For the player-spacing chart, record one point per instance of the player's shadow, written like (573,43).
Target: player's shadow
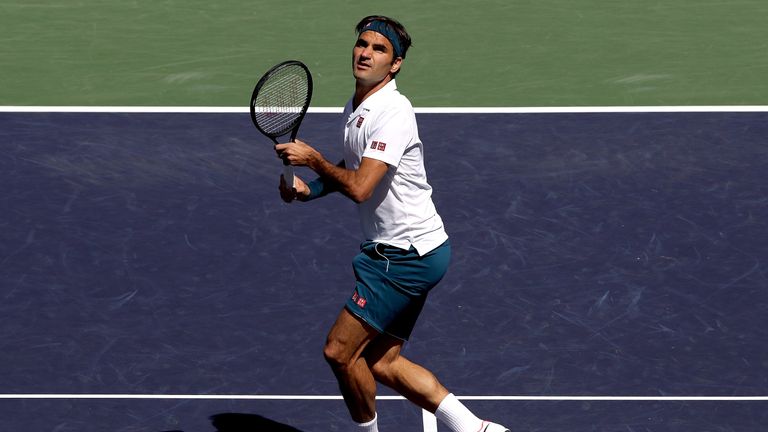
(235,422)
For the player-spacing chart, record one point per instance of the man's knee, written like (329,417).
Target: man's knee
(336,356)
(346,341)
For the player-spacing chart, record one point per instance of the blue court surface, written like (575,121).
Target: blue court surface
(153,281)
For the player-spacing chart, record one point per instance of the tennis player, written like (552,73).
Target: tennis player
(406,249)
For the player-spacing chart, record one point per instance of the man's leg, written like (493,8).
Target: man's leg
(412,381)
(420,386)
(343,350)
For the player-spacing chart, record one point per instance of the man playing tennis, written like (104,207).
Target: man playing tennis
(406,251)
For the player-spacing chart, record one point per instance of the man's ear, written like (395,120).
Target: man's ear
(396,65)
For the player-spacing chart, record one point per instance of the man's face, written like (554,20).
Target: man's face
(372,58)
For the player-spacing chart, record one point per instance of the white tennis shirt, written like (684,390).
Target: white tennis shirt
(400,212)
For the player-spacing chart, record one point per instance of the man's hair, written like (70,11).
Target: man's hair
(403,37)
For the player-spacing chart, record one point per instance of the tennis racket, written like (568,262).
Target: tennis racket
(279,102)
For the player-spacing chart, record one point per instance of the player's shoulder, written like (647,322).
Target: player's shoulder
(390,97)
(397,102)
(402,102)
(396,110)
(397,97)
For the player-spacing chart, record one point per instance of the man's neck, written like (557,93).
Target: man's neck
(363,91)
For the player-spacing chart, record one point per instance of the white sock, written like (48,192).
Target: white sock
(370,426)
(456,416)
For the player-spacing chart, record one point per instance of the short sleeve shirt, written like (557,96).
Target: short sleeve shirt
(400,212)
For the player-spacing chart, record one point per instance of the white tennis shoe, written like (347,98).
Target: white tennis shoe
(492,427)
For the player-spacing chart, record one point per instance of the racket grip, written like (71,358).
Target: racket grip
(288,175)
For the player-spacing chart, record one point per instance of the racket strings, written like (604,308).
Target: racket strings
(281,101)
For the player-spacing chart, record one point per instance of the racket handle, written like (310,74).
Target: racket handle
(288,175)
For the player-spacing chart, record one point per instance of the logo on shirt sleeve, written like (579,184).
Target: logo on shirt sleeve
(378,145)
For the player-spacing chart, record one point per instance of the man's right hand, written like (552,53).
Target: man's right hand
(299,191)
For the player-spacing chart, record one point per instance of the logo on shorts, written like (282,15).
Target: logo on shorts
(360,121)
(359,300)
(378,145)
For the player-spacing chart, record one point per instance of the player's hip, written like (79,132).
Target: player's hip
(405,270)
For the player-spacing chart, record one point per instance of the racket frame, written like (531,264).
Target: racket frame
(288,172)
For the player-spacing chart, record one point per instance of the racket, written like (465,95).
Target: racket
(279,102)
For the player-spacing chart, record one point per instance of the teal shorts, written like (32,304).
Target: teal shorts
(392,285)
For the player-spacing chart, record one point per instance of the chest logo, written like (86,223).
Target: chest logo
(359,121)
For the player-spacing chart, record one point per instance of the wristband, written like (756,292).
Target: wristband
(317,189)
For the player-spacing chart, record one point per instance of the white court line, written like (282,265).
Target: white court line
(338,397)
(421,110)
(586,109)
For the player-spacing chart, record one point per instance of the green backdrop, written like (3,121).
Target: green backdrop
(482,53)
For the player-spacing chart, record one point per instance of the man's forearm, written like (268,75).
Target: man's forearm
(358,185)
(338,177)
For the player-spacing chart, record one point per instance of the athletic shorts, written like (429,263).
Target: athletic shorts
(392,285)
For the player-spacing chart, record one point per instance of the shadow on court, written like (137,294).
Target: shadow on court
(235,422)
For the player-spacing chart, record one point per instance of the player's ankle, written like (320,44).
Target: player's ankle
(369,426)
(456,416)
